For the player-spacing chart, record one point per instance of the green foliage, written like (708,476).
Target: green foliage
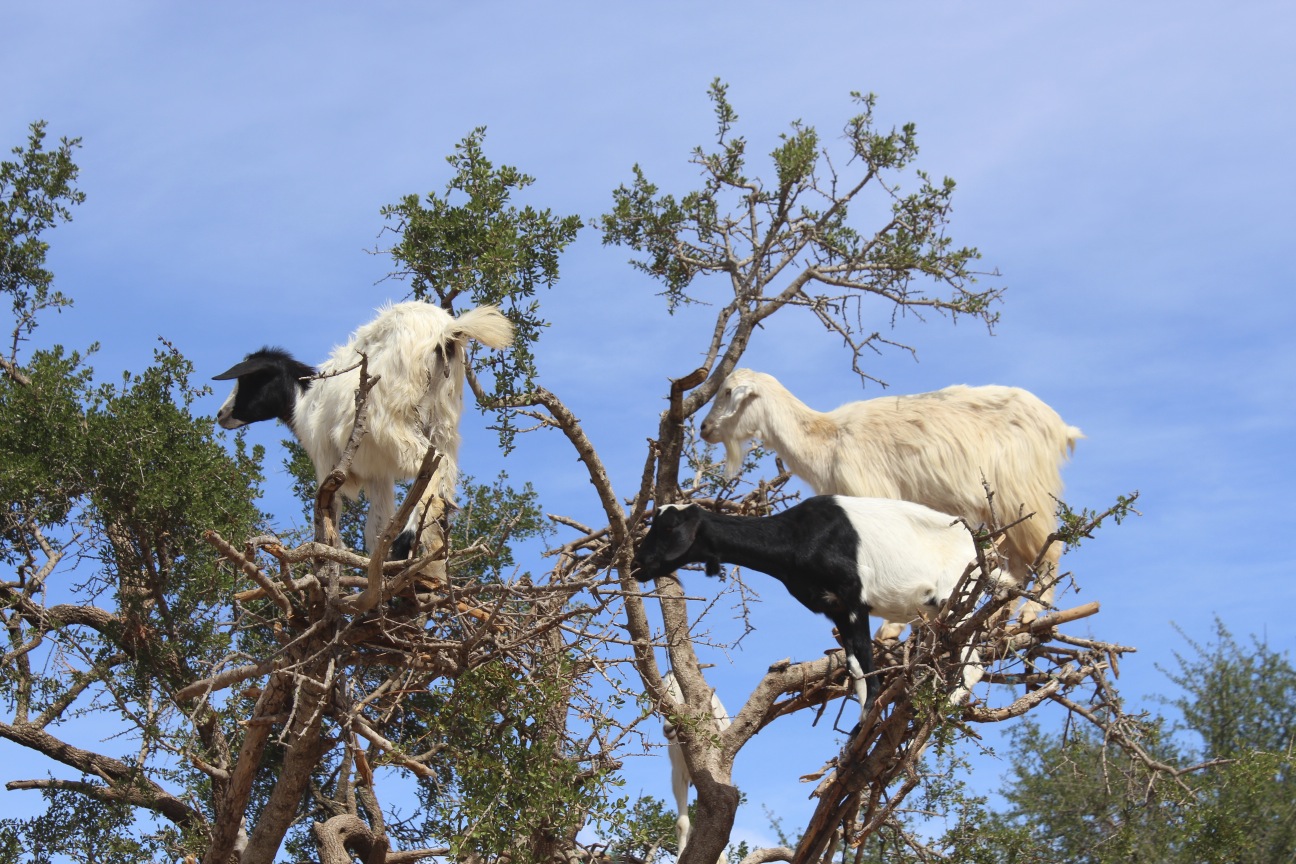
(1236,699)
(76,829)
(1099,804)
(1241,704)
(506,775)
(1085,804)
(494,517)
(125,479)
(472,240)
(36,191)
(799,228)
(43,436)
(133,456)
(162,481)
(645,830)
(1079,526)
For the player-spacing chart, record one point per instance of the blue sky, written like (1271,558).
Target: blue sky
(1126,168)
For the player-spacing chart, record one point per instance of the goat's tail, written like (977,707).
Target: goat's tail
(1073,434)
(486,324)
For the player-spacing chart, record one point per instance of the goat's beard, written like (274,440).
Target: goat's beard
(734,453)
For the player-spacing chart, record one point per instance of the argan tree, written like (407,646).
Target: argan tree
(279,695)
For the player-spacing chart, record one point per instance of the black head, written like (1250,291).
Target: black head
(670,543)
(269,382)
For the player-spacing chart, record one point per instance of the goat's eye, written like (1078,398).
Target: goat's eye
(728,391)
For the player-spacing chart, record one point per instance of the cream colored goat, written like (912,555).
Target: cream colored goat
(930,448)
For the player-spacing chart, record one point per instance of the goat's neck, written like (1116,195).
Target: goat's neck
(289,414)
(801,436)
(766,544)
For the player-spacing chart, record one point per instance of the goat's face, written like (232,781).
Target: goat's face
(667,544)
(225,417)
(928,602)
(266,387)
(730,422)
(724,421)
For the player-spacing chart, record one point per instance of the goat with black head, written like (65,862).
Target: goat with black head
(416,351)
(845,558)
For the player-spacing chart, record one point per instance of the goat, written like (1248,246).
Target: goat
(680,778)
(842,557)
(417,350)
(937,449)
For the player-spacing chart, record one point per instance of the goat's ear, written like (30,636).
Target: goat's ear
(240,369)
(713,566)
(682,525)
(740,393)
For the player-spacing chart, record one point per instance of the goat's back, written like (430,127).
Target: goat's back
(417,350)
(908,554)
(936,448)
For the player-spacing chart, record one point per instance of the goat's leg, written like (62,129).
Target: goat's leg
(858,643)
(1045,582)
(679,786)
(972,673)
(889,631)
(382,506)
(425,529)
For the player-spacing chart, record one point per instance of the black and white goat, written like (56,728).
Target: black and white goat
(418,351)
(845,558)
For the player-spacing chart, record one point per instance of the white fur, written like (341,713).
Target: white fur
(910,557)
(910,560)
(680,778)
(931,448)
(417,402)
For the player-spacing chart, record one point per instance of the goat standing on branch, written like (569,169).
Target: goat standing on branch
(938,449)
(416,354)
(845,558)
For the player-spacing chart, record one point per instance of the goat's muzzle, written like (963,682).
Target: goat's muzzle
(226,420)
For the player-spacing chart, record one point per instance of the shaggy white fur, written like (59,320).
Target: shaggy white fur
(417,350)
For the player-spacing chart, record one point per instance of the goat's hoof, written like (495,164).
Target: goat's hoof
(402,546)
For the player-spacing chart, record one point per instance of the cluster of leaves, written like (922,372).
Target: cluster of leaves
(508,776)
(494,517)
(126,468)
(36,193)
(800,229)
(473,241)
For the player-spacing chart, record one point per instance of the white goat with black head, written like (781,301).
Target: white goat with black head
(845,558)
(417,350)
(680,777)
(933,448)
